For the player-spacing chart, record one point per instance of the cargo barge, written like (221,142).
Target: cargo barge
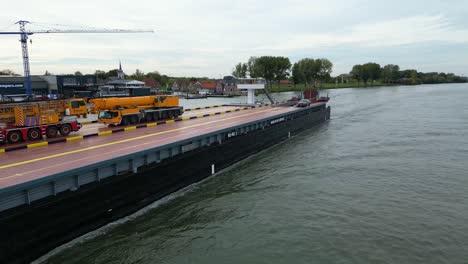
(52,195)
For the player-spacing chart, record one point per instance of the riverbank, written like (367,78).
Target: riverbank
(299,87)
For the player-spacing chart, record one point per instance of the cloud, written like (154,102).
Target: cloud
(208,37)
(402,31)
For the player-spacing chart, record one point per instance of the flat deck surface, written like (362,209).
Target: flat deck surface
(28,164)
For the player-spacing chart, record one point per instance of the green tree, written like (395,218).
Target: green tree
(366,72)
(240,70)
(100,74)
(154,75)
(310,70)
(265,67)
(390,73)
(372,70)
(253,68)
(166,81)
(325,68)
(297,76)
(138,75)
(78,73)
(282,67)
(8,72)
(111,73)
(358,73)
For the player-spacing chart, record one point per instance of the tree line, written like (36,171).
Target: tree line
(391,74)
(8,72)
(279,68)
(309,71)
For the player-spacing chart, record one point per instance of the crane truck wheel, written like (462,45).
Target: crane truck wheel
(124,121)
(170,114)
(14,136)
(149,117)
(134,119)
(155,116)
(65,129)
(34,134)
(176,114)
(51,131)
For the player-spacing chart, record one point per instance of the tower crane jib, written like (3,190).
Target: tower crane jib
(24,42)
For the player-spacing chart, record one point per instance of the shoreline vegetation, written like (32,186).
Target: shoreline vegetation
(282,76)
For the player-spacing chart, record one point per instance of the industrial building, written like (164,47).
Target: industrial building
(54,86)
(13,87)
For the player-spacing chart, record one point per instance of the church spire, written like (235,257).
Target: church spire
(120,73)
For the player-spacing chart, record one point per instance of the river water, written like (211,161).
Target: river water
(384,181)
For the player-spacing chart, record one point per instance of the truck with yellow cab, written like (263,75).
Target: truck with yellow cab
(24,121)
(134,110)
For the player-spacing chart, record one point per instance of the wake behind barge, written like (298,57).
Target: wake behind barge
(53,194)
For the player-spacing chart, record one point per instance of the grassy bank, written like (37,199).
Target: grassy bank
(300,87)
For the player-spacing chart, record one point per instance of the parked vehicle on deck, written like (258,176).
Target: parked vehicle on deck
(303,103)
(134,110)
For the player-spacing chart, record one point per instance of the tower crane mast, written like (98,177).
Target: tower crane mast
(24,42)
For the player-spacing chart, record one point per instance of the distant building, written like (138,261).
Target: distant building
(12,87)
(72,85)
(150,82)
(123,88)
(207,87)
(175,87)
(344,78)
(126,84)
(219,87)
(230,85)
(118,86)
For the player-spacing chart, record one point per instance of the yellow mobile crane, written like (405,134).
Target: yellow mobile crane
(134,110)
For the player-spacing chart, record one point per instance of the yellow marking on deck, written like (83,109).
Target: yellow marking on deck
(223,112)
(212,114)
(103,133)
(2,150)
(170,121)
(40,144)
(74,138)
(200,116)
(185,118)
(86,122)
(130,128)
(151,124)
(124,141)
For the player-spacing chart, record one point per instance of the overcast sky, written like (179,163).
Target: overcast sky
(208,37)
